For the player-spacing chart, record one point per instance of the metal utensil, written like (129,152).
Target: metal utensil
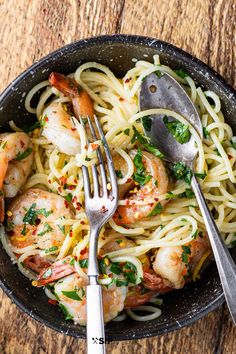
(165,92)
(100,205)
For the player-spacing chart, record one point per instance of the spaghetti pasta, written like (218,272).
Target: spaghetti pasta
(174,221)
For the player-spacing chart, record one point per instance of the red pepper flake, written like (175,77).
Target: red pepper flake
(70,233)
(230,157)
(22,143)
(44,11)
(63,180)
(127,202)
(82,222)
(103,209)
(49,181)
(86,147)
(128,180)
(121,99)
(156,199)
(127,80)
(74,199)
(75,181)
(71,188)
(34,232)
(52,302)
(151,205)
(11,233)
(73,129)
(59,189)
(84,251)
(94,146)
(66,204)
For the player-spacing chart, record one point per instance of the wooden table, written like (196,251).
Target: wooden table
(30,29)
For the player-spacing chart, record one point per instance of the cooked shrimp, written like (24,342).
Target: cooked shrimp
(59,130)
(16,158)
(175,264)
(58,127)
(157,185)
(33,219)
(82,103)
(113,298)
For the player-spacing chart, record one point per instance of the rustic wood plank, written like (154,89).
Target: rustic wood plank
(30,29)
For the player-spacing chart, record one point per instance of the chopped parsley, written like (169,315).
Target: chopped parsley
(30,127)
(23,155)
(121,283)
(156,210)
(66,312)
(68,197)
(130,272)
(62,228)
(205,132)
(159,74)
(72,295)
(139,176)
(32,214)
(186,252)
(47,228)
(115,268)
(187,194)
(194,236)
(201,175)
(126,131)
(51,249)
(83,263)
(181,171)
(170,195)
(24,230)
(178,130)
(119,174)
(146,144)
(147,123)
(181,73)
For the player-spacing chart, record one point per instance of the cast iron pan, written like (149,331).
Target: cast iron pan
(181,307)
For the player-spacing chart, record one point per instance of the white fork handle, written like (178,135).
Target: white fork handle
(95,322)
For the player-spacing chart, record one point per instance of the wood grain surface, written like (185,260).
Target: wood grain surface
(30,29)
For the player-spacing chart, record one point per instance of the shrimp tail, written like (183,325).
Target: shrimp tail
(82,103)
(65,85)
(154,282)
(58,270)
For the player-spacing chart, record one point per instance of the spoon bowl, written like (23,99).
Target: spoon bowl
(165,92)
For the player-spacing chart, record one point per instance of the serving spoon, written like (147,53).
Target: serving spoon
(163,91)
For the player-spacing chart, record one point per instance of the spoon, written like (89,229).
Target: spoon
(162,91)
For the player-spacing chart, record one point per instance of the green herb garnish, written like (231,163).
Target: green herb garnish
(178,130)
(147,123)
(72,295)
(51,249)
(139,175)
(126,131)
(181,73)
(185,253)
(146,144)
(181,171)
(119,174)
(156,210)
(83,263)
(47,228)
(23,155)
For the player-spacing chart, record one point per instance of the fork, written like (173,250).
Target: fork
(100,205)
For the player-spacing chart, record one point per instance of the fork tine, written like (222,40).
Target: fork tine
(109,158)
(101,162)
(87,189)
